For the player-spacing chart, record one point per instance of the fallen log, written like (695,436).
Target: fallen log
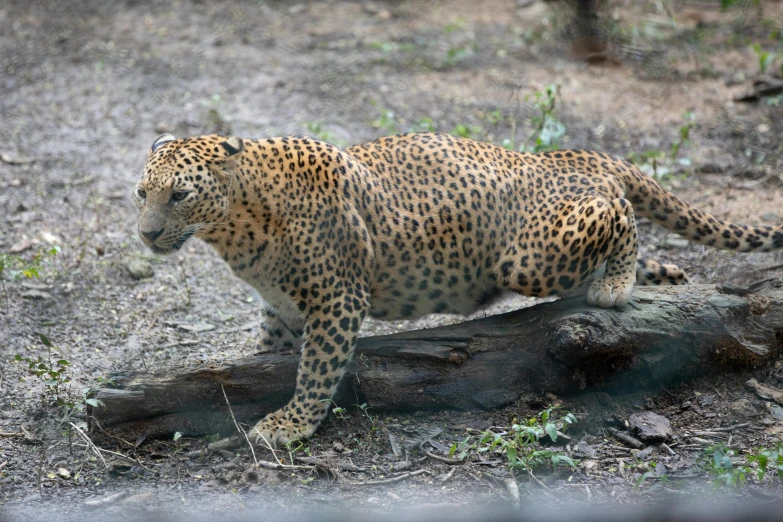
(665,335)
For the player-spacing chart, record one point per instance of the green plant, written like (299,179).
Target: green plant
(766,457)
(765,58)
(461,47)
(467,131)
(660,164)
(725,4)
(53,372)
(337,410)
(317,131)
(425,125)
(724,471)
(684,135)
(521,443)
(387,123)
(547,129)
(14,267)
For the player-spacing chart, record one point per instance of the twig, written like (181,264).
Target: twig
(668,449)
(445,460)
(240,430)
(448,475)
(3,464)
(272,465)
(391,480)
(535,479)
(627,439)
(92,446)
(11,434)
(729,428)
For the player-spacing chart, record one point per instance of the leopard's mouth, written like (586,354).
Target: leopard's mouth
(173,247)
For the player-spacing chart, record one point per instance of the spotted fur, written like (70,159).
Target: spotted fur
(405,226)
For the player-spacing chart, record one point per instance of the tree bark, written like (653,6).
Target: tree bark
(664,336)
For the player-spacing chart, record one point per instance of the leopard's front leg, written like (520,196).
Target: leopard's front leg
(330,333)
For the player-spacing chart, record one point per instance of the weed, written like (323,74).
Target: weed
(548,130)
(462,43)
(425,125)
(317,131)
(387,123)
(765,57)
(53,372)
(467,131)
(765,457)
(723,469)
(726,4)
(337,410)
(520,444)
(660,164)
(14,267)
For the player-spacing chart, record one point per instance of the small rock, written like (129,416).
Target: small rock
(713,160)
(525,3)
(196,327)
(650,427)
(674,241)
(685,405)
(338,447)
(762,128)
(64,473)
(36,294)
(21,246)
(770,217)
(140,269)
(742,408)
(228,455)
(775,411)
(50,238)
(164,127)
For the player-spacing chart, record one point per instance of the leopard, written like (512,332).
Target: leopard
(404,226)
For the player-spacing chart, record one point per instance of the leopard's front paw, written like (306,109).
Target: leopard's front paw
(277,429)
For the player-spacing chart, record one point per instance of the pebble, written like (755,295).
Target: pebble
(228,455)
(674,242)
(742,408)
(140,269)
(650,427)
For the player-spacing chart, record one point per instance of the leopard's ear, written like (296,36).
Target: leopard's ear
(233,147)
(160,141)
(225,166)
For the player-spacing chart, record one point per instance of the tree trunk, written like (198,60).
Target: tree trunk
(665,335)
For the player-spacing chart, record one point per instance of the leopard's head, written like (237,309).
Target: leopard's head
(185,188)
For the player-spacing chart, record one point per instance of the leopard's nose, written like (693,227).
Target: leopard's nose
(151,235)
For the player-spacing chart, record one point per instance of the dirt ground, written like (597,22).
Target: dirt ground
(87,86)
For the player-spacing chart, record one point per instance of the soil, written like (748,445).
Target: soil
(87,86)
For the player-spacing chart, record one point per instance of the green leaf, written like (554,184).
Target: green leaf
(177,436)
(551,430)
(44,339)
(511,453)
(95,403)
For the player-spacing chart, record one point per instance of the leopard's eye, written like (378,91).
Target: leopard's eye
(179,195)
(141,193)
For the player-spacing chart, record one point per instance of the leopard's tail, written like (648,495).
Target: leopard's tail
(652,201)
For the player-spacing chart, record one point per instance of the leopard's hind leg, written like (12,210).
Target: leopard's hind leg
(616,286)
(586,233)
